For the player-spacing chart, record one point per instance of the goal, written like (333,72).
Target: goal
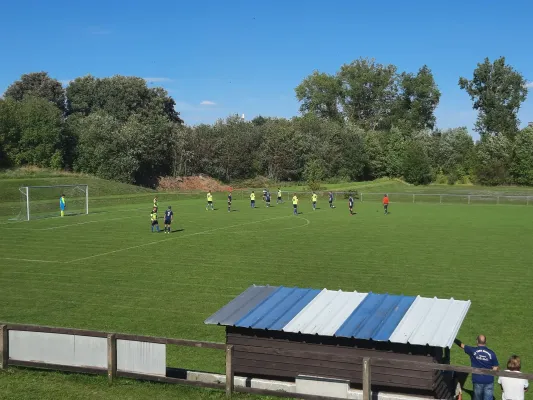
(43,201)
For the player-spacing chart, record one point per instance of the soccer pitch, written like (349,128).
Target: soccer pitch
(107,271)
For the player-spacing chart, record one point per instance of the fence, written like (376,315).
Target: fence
(144,357)
(407,197)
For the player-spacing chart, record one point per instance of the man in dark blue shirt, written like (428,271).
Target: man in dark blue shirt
(481,357)
(169,217)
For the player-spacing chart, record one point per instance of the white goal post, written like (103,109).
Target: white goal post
(43,201)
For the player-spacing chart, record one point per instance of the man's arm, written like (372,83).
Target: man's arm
(459,343)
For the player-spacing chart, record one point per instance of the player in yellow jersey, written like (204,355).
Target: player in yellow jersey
(209,201)
(295,204)
(279,200)
(314,199)
(252,199)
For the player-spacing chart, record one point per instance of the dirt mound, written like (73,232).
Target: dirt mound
(200,182)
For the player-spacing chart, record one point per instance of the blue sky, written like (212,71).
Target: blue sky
(223,57)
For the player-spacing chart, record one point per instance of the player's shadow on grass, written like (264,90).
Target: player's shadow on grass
(177,230)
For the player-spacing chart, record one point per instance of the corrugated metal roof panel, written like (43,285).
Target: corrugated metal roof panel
(394,317)
(326,313)
(377,315)
(450,324)
(433,322)
(241,305)
(279,308)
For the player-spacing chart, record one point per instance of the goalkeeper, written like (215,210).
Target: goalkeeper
(62,204)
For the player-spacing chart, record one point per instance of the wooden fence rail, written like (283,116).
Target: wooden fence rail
(229,386)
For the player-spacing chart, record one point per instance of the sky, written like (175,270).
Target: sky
(222,57)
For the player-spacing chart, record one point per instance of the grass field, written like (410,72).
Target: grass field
(107,271)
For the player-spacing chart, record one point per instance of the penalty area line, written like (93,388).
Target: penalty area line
(172,238)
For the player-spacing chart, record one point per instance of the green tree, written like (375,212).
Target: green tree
(369,93)
(319,94)
(418,98)
(521,168)
(416,166)
(30,132)
(497,91)
(493,157)
(38,84)
(120,97)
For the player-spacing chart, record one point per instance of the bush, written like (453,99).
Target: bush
(314,186)
(416,165)
(441,179)
(56,162)
(452,177)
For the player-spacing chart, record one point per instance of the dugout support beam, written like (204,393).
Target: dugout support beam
(4,346)
(111,357)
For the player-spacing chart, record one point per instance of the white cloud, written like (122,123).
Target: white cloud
(529,85)
(157,79)
(208,103)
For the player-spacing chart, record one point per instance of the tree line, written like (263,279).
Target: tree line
(365,122)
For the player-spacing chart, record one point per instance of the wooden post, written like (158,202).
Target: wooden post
(4,346)
(229,371)
(111,357)
(367,392)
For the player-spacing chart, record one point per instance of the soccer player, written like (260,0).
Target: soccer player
(169,216)
(386,204)
(350,204)
(267,199)
(156,204)
(314,198)
(62,205)
(331,200)
(229,202)
(252,199)
(279,201)
(153,218)
(295,204)
(264,194)
(209,201)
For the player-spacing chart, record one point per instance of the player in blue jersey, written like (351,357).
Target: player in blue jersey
(267,199)
(169,217)
(331,200)
(350,204)
(229,202)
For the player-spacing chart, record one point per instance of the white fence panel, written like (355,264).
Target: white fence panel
(55,348)
(141,357)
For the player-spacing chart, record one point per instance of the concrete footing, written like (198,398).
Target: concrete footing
(313,385)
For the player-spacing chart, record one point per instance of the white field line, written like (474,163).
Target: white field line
(173,238)
(29,260)
(78,223)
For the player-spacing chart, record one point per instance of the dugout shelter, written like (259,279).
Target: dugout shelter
(282,333)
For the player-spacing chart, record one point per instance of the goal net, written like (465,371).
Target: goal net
(43,201)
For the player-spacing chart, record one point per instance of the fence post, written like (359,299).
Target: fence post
(413,198)
(468,199)
(498,200)
(111,357)
(527,201)
(440,199)
(4,346)
(361,197)
(229,371)
(367,392)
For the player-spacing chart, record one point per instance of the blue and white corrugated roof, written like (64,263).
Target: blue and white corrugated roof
(379,317)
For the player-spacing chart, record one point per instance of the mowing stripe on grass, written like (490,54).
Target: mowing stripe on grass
(27,260)
(173,238)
